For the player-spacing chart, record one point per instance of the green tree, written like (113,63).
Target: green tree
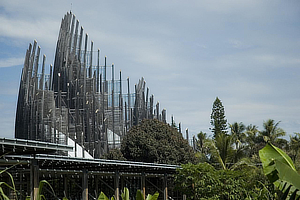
(202,147)
(272,132)
(237,132)
(222,150)
(201,138)
(153,141)
(239,139)
(294,147)
(254,142)
(218,119)
(114,154)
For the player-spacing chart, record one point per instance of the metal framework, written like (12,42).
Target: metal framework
(77,102)
(76,178)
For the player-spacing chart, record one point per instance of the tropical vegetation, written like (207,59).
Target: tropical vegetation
(235,161)
(233,156)
(5,185)
(153,141)
(125,195)
(203,181)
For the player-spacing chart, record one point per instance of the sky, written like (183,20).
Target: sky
(247,53)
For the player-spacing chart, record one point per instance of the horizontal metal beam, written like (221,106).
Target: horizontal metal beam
(34,145)
(99,162)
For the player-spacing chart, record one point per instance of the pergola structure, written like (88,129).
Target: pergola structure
(77,178)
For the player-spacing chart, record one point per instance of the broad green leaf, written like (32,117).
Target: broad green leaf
(149,197)
(154,197)
(288,175)
(139,195)
(280,170)
(126,193)
(102,196)
(270,152)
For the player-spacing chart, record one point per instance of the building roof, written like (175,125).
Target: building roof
(20,147)
(22,152)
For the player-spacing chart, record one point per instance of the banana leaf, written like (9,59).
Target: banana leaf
(102,196)
(280,170)
(125,194)
(139,195)
(270,153)
(153,197)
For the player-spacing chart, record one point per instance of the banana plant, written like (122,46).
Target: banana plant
(3,196)
(280,170)
(140,196)
(125,195)
(41,185)
(102,196)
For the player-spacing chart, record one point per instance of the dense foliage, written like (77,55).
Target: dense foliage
(114,154)
(156,142)
(125,195)
(203,181)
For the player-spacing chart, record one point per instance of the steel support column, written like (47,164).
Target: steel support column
(66,185)
(34,176)
(117,180)
(143,184)
(165,187)
(85,191)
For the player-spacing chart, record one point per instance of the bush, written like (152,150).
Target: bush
(203,181)
(153,141)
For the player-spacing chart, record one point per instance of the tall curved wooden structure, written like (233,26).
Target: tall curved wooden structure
(77,103)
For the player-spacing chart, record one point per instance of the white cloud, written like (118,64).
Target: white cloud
(189,52)
(9,62)
(21,29)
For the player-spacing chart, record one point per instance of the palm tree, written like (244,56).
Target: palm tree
(203,144)
(222,150)
(237,132)
(200,141)
(294,146)
(271,131)
(253,139)
(239,138)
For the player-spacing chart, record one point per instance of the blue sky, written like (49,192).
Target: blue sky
(245,52)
